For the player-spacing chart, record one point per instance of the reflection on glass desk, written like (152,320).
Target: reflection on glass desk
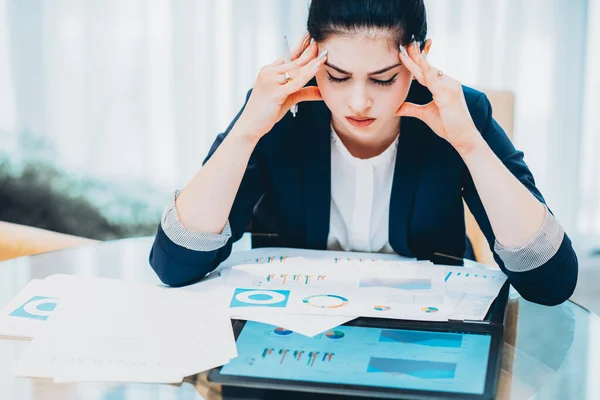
(549,352)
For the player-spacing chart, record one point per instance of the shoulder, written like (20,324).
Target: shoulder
(478,105)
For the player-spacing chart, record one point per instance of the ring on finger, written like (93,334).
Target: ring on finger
(286,78)
(440,73)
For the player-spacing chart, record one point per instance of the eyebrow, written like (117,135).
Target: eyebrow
(381,71)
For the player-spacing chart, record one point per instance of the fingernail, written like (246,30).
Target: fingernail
(403,51)
(416,42)
(315,67)
(322,55)
(312,41)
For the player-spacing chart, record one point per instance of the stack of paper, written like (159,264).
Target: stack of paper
(387,289)
(108,330)
(269,285)
(94,329)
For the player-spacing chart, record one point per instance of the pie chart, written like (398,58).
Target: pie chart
(335,334)
(325,301)
(382,308)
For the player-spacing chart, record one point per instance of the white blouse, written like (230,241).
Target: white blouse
(360,199)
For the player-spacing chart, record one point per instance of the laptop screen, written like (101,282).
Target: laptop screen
(392,358)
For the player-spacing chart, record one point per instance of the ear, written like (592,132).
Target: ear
(427,46)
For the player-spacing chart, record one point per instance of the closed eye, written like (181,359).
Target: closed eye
(389,82)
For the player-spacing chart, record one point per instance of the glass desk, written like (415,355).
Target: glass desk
(549,352)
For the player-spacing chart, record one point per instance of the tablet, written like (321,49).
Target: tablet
(369,357)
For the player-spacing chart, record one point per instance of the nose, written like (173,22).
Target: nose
(360,100)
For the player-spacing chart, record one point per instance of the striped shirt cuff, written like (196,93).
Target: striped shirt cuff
(192,240)
(538,251)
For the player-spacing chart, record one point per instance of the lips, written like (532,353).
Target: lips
(360,122)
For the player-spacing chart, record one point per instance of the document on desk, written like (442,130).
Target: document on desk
(27,313)
(296,273)
(118,332)
(278,255)
(472,291)
(400,290)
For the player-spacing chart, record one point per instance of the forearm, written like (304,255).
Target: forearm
(514,213)
(205,203)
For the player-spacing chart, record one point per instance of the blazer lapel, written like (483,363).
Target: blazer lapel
(317,173)
(413,145)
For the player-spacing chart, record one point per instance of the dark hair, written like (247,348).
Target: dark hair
(405,19)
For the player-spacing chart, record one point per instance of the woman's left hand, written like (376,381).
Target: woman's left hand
(447,115)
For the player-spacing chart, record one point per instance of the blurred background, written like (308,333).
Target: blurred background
(107,107)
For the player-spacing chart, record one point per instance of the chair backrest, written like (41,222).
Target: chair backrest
(503,111)
(503,106)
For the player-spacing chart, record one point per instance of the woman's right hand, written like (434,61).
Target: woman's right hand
(272,97)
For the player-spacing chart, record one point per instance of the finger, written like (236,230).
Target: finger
(420,111)
(277,62)
(414,51)
(446,90)
(414,69)
(310,93)
(306,73)
(292,74)
(300,47)
(309,54)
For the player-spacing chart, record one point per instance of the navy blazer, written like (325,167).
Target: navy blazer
(287,185)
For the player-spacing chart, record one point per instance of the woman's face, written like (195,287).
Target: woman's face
(362,78)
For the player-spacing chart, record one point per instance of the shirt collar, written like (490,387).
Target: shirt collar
(388,155)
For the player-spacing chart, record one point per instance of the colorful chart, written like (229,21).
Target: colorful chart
(259,298)
(267,352)
(312,356)
(429,310)
(287,357)
(291,279)
(422,338)
(388,358)
(38,307)
(416,368)
(382,308)
(325,301)
(403,284)
(282,331)
(270,260)
(338,260)
(472,275)
(335,334)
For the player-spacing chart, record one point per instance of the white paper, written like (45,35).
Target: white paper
(472,291)
(282,254)
(370,302)
(29,311)
(300,273)
(385,289)
(113,331)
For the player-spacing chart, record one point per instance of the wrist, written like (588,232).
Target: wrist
(469,143)
(245,133)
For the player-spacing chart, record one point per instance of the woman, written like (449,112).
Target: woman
(383,151)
